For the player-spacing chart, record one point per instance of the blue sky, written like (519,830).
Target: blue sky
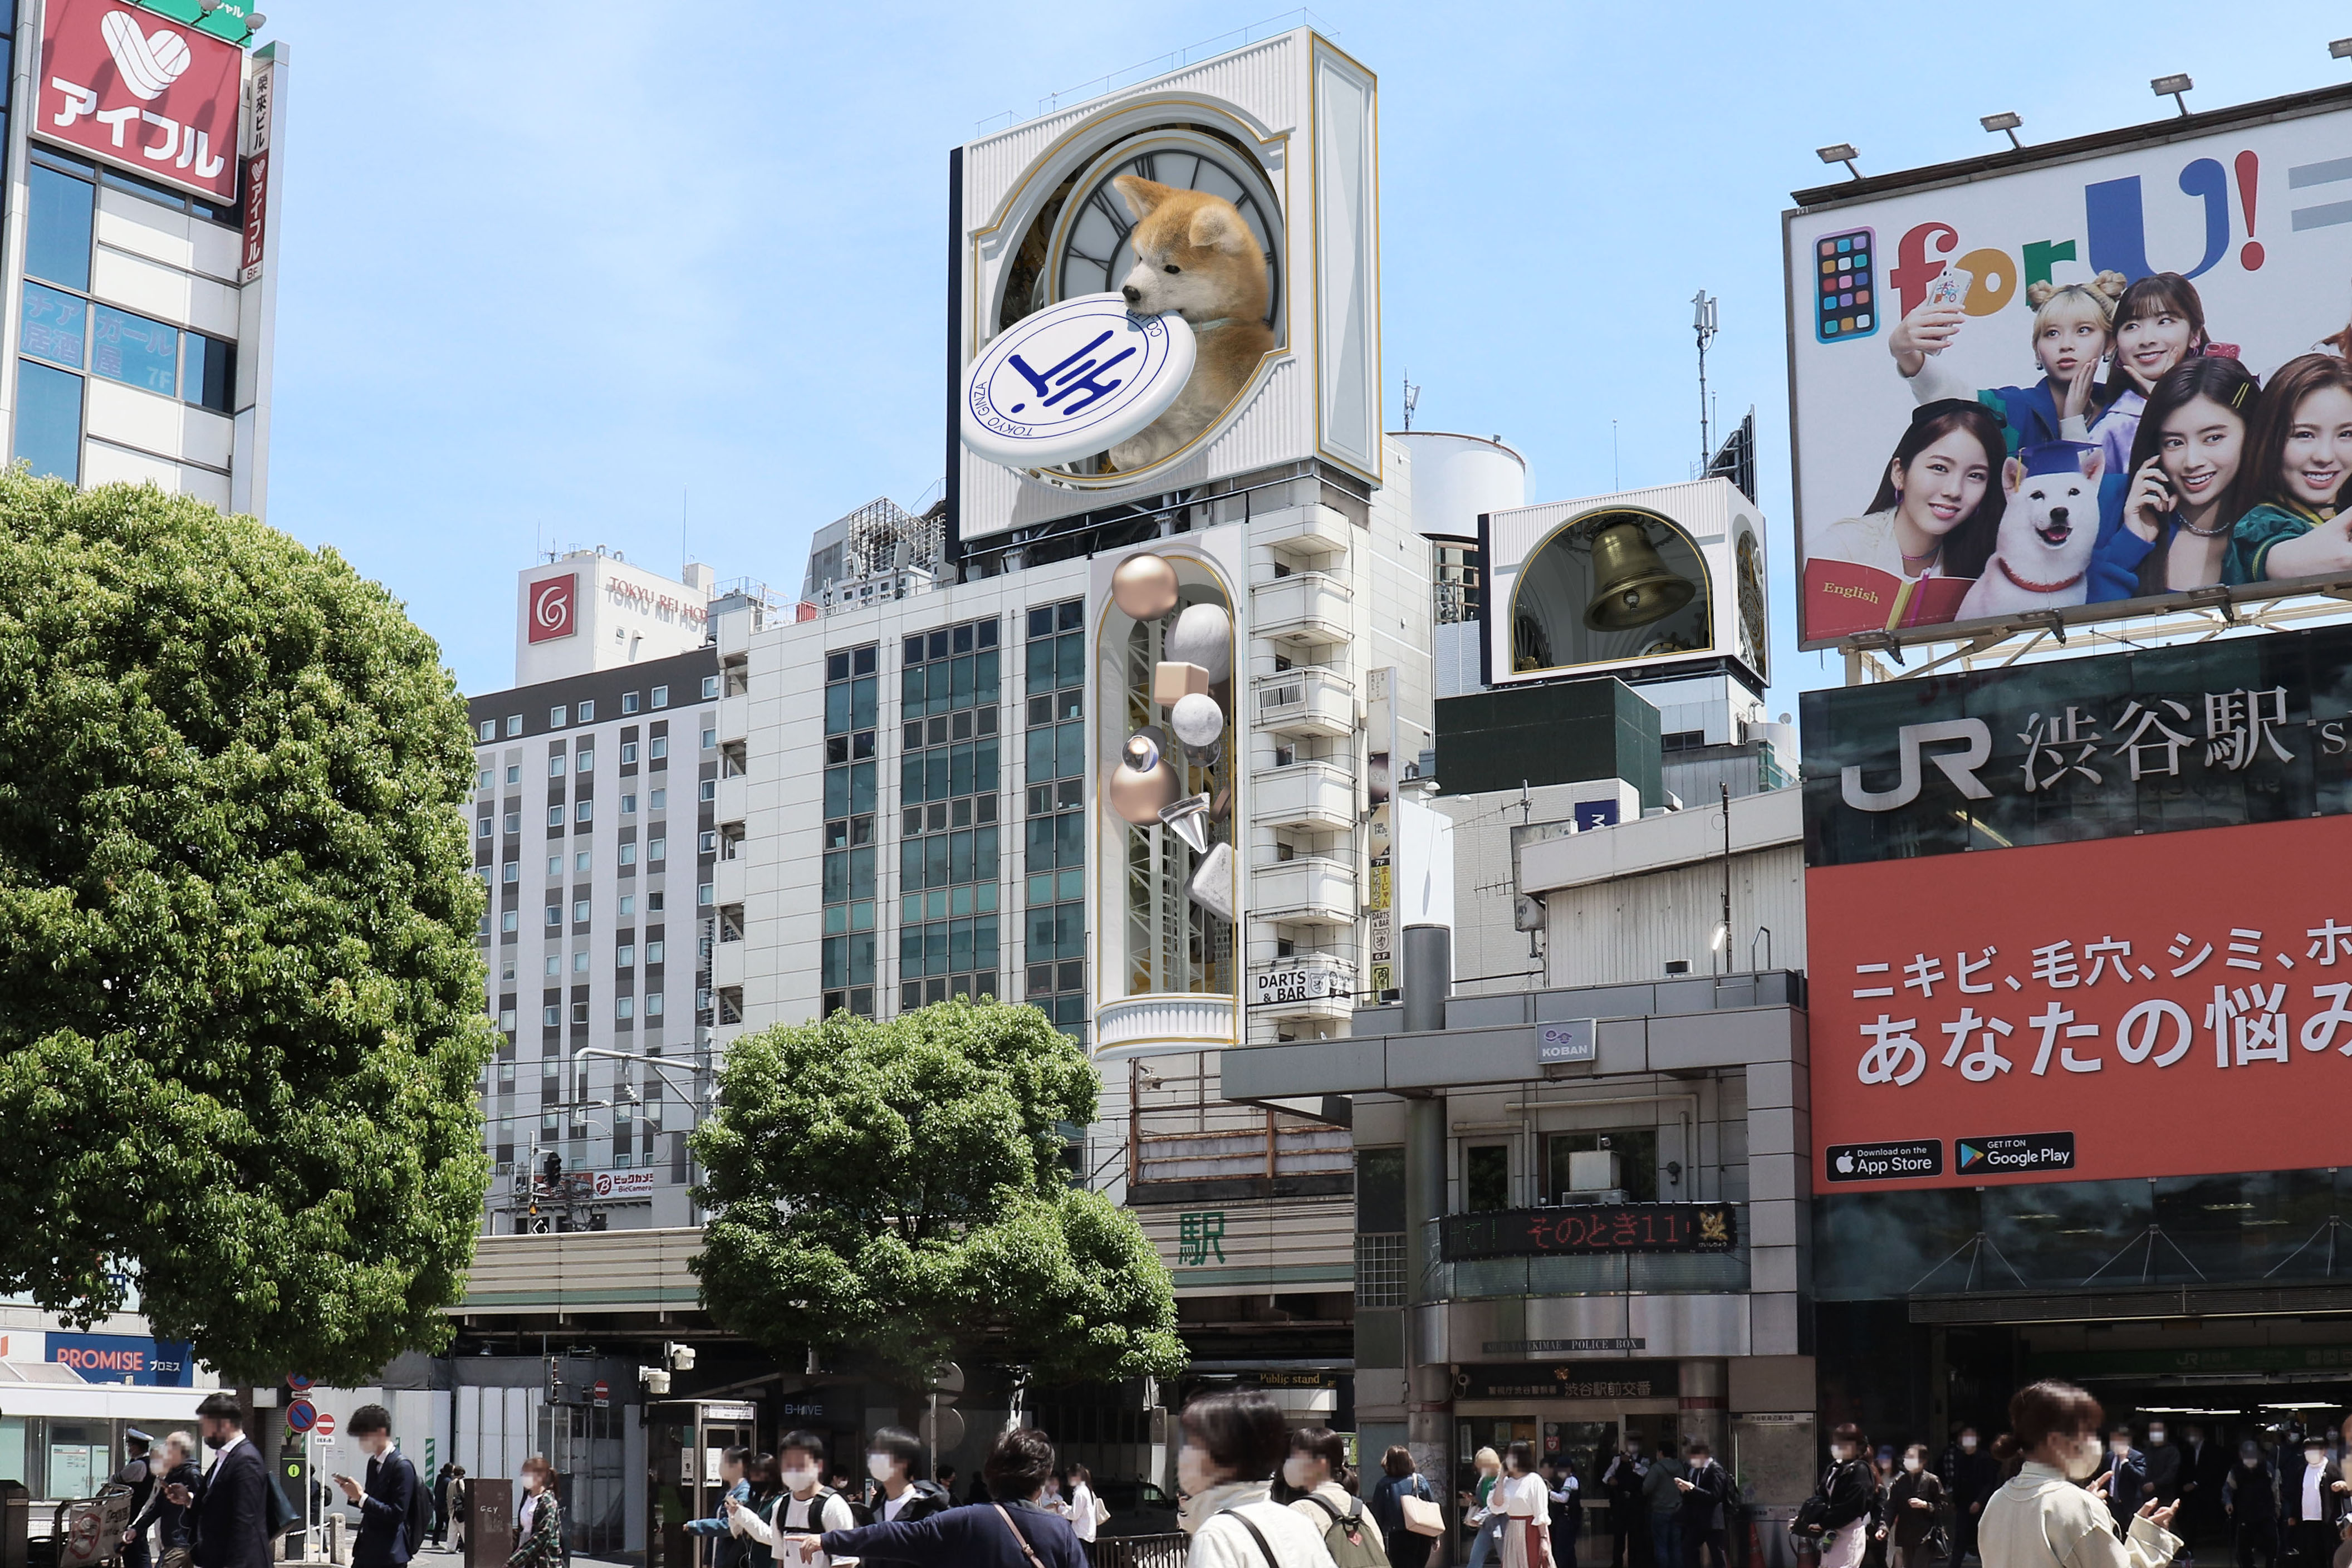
(585,274)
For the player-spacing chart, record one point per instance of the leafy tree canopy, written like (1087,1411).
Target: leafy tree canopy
(240,1004)
(897,1188)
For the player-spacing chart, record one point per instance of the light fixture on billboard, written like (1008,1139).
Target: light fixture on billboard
(2008,122)
(2341,49)
(1842,152)
(2173,87)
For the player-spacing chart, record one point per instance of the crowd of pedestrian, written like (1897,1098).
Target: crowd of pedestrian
(2063,1486)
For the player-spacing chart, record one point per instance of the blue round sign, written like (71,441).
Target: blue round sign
(1075,379)
(302,1415)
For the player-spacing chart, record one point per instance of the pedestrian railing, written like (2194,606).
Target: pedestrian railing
(1140,1550)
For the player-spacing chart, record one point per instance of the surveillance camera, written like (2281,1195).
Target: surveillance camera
(656,1380)
(680,1357)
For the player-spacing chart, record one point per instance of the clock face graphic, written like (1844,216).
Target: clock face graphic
(1750,566)
(1079,245)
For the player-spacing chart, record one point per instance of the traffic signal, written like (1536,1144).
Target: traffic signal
(553,1165)
(554,1382)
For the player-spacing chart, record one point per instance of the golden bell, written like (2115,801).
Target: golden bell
(1634,586)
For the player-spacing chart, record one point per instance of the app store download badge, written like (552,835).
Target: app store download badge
(2017,1152)
(1913,1157)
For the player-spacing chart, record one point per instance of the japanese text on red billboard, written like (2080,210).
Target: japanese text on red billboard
(131,87)
(2089,384)
(2054,910)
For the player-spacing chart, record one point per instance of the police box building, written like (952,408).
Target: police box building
(144,144)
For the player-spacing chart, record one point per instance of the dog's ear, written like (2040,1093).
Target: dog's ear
(1216,225)
(1141,194)
(2012,478)
(2095,462)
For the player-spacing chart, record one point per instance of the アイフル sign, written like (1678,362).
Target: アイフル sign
(135,89)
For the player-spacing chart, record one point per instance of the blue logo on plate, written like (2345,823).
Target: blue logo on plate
(1075,379)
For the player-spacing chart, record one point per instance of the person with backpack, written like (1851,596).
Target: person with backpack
(805,1509)
(395,1508)
(892,1458)
(1315,1473)
(1233,1444)
(1012,1531)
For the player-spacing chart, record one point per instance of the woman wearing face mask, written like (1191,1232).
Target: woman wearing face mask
(1233,1443)
(1313,1480)
(2041,1518)
(538,1525)
(1846,1501)
(1479,1512)
(1909,1518)
(1525,1503)
(2249,1502)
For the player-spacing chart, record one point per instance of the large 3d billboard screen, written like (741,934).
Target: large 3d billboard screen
(2094,384)
(2083,920)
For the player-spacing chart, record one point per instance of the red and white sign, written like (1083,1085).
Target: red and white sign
(2158,1006)
(602,1393)
(257,171)
(624,1184)
(554,607)
(324,1428)
(133,88)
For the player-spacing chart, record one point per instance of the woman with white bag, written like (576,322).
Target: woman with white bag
(1405,1507)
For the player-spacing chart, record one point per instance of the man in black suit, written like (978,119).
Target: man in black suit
(226,1509)
(389,1498)
(1705,1487)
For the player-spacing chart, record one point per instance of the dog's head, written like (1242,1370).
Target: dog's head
(1194,255)
(2054,502)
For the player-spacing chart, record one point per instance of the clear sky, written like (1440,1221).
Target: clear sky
(583,274)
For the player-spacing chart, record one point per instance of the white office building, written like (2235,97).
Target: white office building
(139,253)
(596,776)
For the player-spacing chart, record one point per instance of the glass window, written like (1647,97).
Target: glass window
(58,228)
(588,712)
(628,701)
(1486,1177)
(134,350)
(48,419)
(661,696)
(709,687)
(53,324)
(211,373)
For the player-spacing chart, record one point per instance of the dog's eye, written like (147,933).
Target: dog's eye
(1172,267)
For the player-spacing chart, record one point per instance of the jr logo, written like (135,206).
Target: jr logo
(552,601)
(1957,767)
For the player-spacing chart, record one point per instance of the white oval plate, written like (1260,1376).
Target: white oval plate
(1075,379)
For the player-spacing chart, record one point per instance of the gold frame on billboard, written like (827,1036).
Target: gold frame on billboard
(1706,597)
(1116,119)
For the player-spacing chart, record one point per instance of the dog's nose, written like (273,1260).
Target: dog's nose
(2057,514)
(1134,295)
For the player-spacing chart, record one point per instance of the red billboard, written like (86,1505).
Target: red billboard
(133,88)
(554,605)
(2172,1003)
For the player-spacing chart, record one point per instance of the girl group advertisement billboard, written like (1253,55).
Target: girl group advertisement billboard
(2108,382)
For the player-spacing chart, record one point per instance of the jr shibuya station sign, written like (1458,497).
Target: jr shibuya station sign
(2083,920)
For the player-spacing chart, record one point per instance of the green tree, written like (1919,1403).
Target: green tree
(897,1188)
(240,1001)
